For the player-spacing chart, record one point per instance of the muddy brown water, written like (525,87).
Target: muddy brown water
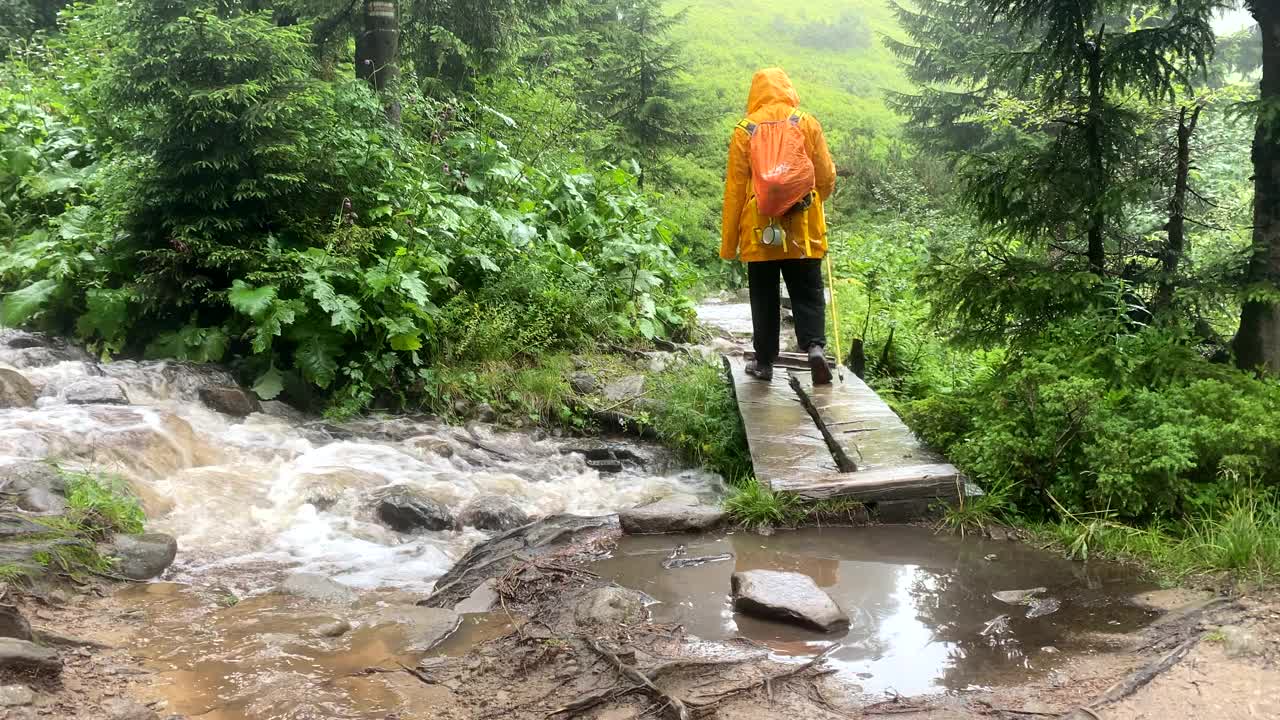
(919,601)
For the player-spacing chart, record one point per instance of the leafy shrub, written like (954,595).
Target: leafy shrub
(698,415)
(1096,416)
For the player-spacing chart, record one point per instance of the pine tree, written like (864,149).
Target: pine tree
(639,87)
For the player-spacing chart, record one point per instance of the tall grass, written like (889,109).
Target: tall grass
(697,415)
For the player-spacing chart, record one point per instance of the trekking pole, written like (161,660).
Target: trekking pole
(835,315)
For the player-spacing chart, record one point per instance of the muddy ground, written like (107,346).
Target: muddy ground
(536,655)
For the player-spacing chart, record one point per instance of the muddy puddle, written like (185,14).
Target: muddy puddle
(923,616)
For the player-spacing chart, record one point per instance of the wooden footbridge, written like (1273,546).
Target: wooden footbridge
(838,441)
(833,441)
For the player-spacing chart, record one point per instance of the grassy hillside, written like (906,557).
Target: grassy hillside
(831,48)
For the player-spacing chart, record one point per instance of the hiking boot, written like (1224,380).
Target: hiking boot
(818,365)
(760,372)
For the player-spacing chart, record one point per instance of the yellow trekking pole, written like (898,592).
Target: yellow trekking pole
(835,315)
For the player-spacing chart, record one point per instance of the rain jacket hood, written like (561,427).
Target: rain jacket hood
(771,86)
(773,98)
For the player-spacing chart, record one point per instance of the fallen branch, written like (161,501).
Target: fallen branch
(1137,680)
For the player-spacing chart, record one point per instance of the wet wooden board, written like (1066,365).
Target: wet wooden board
(785,444)
(910,482)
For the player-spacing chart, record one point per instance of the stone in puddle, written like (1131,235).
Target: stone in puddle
(492,512)
(23,655)
(677,514)
(142,557)
(1037,606)
(790,597)
(334,629)
(314,586)
(15,695)
(611,606)
(96,391)
(425,627)
(405,510)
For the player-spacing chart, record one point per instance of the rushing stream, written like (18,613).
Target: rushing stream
(277,491)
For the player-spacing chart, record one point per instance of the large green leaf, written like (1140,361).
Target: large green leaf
(107,314)
(20,305)
(344,311)
(250,300)
(269,385)
(317,358)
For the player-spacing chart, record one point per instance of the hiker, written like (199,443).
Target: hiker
(780,173)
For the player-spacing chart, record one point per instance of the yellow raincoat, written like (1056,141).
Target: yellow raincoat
(773,98)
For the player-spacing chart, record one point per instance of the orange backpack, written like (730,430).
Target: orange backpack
(781,171)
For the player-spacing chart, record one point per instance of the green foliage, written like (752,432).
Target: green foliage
(698,415)
(101,505)
(753,505)
(993,507)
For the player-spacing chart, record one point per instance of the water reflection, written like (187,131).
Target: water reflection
(918,602)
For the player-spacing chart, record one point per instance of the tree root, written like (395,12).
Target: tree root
(1135,681)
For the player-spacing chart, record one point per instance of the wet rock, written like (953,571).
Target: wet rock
(229,400)
(610,606)
(790,597)
(334,629)
(583,383)
(481,600)
(320,588)
(23,349)
(41,500)
(579,362)
(1239,641)
(671,515)
(142,557)
(406,510)
(485,413)
(494,557)
(13,624)
(627,388)
(1058,679)
(124,709)
(492,512)
(13,527)
(461,407)
(1037,606)
(324,487)
(96,391)
(282,410)
(659,361)
(998,625)
(27,474)
(431,444)
(15,390)
(24,655)
(16,695)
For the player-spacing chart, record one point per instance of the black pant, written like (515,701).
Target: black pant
(808,304)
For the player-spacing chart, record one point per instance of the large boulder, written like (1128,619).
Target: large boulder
(676,514)
(583,383)
(610,607)
(16,391)
(96,391)
(25,656)
(229,400)
(492,512)
(23,349)
(320,588)
(789,597)
(142,557)
(424,627)
(16,696)
(404,509)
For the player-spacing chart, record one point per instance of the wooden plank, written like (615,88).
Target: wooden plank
(782,437)
(897,483)
(864,425)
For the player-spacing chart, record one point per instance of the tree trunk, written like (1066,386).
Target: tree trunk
(1257,343)
(377,49)
(1177,242)
(1097,253)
